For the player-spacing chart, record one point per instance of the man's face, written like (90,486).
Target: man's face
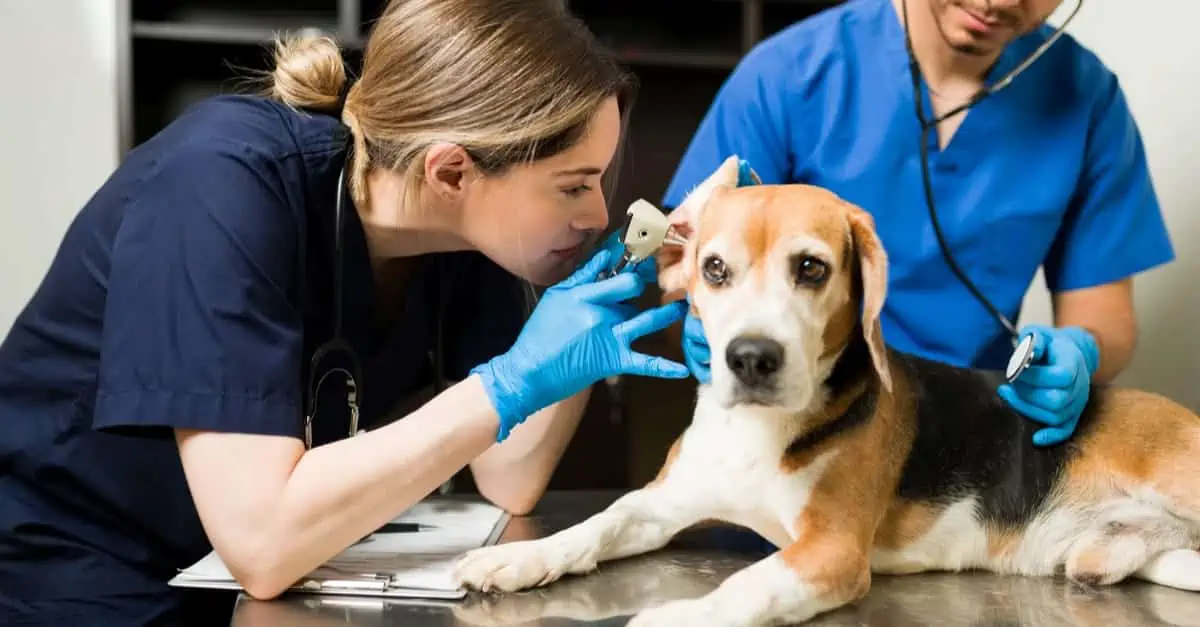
(984,27)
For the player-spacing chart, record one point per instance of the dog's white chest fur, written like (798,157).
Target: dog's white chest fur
(728,466)
(734,458)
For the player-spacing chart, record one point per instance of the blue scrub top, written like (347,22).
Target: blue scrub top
(190,293)
(1050,171)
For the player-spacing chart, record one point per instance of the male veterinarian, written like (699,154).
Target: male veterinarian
(1047,172)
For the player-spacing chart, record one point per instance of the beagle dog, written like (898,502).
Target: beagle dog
(858,459)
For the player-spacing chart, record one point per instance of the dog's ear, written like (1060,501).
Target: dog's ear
(676,264)
(872,264)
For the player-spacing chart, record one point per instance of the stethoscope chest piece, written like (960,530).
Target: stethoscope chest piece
(1021,358)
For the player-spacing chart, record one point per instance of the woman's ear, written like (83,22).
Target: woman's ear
(446,168)
(676,264)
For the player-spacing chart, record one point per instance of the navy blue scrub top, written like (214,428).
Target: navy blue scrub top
(1048,173)
(190,293)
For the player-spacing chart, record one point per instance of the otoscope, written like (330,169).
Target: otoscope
(645,230)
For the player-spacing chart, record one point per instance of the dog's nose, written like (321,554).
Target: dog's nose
(754,360)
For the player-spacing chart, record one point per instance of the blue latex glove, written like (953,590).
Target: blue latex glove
(696,352)
(579,333)
(1054,390)
(646,268)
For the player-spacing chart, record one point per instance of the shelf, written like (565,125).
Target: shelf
(229,34)
(231,21)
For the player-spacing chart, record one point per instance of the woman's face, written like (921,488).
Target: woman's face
(537,220)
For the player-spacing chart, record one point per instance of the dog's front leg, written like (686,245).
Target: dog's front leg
(638,522)
(815,574)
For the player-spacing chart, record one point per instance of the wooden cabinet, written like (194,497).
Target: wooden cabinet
(174,52)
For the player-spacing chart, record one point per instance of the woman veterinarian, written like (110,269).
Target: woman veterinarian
(153,393)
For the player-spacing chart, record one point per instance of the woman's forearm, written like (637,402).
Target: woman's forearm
(340,492)
(514,474)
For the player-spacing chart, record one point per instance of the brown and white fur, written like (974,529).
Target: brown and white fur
(855,458)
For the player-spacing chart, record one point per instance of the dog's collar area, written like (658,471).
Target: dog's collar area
(852,395)
(857,405)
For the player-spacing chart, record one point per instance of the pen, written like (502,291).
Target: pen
(398,527)
(404,527)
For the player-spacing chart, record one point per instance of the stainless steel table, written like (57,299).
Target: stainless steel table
(698,562)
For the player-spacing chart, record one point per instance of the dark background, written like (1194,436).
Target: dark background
(178,51)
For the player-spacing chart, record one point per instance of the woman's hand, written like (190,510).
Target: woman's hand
(579,333)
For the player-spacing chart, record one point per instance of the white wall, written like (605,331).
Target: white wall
(58,130)
(1155,55)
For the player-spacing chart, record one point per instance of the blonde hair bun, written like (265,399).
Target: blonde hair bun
(309,71)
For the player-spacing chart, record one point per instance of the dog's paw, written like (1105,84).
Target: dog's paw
(519,565)
(684,613)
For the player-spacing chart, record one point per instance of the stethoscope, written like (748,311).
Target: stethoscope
(337,343)
(1023,352)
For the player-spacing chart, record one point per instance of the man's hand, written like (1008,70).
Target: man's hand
(1055,389)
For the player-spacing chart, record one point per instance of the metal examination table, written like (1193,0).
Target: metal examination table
(697,563)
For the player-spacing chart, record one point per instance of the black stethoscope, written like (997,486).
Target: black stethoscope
(337,344)
(1023,353)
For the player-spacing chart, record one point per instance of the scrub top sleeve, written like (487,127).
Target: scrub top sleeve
(750,117)
(200,331)
(1114,227)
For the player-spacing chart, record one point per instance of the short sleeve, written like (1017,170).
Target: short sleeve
(200,327)
(748,117)
(1114,227)
(484,317)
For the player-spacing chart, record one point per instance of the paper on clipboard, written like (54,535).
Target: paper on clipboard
(404,564)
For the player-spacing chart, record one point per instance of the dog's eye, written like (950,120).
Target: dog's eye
(810,270)
(715,271)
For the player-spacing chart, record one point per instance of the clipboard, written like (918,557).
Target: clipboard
(409,564)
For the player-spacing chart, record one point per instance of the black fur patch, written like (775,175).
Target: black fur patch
(969,441)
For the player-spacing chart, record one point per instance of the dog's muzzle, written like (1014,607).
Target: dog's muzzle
(756,362)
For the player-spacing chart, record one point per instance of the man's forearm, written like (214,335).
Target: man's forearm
(1116,340)
(1107,313)
(1116,351)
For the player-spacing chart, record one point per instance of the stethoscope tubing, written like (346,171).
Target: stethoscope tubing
(929,125)
(337,343)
